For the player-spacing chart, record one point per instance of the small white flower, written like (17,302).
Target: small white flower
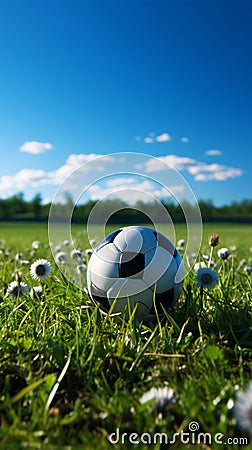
(82,268)
(162,397)
(35,245)
(206,278)
(92,242)
(88,252)
(248,269)
(61,257)
(36,292)
(181,243)
(19,256)
(223,253)
(66,242)
(75,254)
(24,262)
(15,289)
(40,269)
(199,265)
(243,409)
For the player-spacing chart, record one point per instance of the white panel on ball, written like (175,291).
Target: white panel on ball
(135,239)
(158,260)
(104,269)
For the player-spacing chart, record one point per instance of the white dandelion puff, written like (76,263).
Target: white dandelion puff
(161,397)
(40,269)
(61,257)
(19,256)
(24,262)
(88,252)
(82,268)
(35,245)
(66,242)
(75,254)
(248,269)
(199,265)
(243,409)
(16,289)
(206,278)
(36,293)
(223,253)
(181,243)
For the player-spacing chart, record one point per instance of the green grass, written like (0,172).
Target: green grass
(70,376)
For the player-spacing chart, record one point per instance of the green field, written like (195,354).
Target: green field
(69,377)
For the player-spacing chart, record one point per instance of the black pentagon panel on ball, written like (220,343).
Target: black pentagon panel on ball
(163,301)
(108,239)
(164,242)
(99,297)
(131,265)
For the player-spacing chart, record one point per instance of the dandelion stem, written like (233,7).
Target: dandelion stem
(201,298)
(210,257)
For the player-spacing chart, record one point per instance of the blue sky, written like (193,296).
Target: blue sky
(167,78)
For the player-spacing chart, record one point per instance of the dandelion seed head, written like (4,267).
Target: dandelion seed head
(18,256)
(213,240)
(199,265)
(61,257)
(82,268)
(35,245)
(36,292)
(223,253)
(75,254)
(24,262)
(181,243)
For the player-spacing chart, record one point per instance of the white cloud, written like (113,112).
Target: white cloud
(213,152)
(220,175)
(218,172)
(23,178)
(162,163)
(184,139)
(165,137)
(131,189)
(201,167)
(168,191)
(200,171)
(35,147)
(148,140)
(35,178)
(115,182)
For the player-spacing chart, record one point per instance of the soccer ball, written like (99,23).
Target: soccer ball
(135,267)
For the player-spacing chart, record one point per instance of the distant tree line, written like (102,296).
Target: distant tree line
(17,208)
